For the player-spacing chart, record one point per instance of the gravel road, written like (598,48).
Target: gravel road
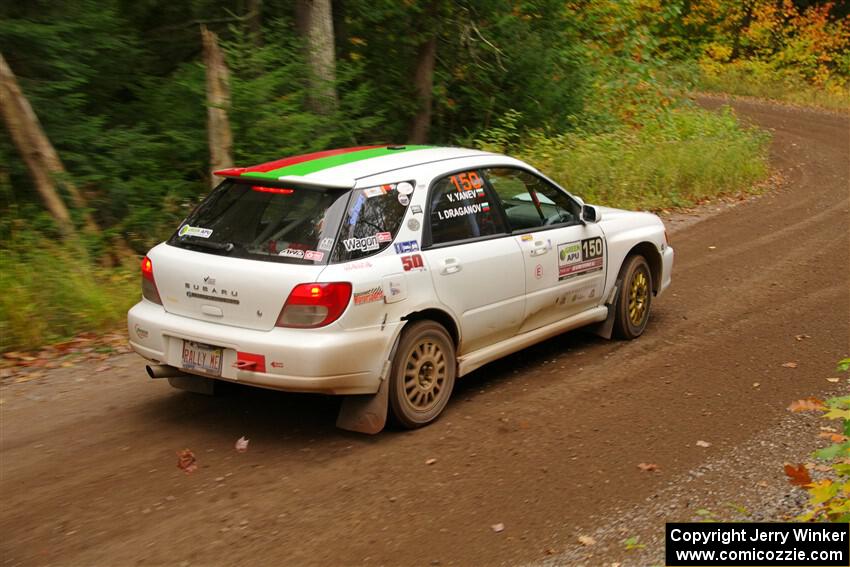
(545,442)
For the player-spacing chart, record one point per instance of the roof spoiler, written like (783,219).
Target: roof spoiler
(230,172)
(237,172)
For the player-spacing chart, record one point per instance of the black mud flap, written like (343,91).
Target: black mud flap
(605,329)
(368,413)
(365,414)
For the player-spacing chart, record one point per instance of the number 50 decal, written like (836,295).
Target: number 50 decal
(412,262)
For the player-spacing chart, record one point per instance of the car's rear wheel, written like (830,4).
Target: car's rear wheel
(423,374)
(635,298)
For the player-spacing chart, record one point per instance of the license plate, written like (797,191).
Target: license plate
(198,356)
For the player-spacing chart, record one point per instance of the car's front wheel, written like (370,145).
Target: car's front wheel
(423,374)
(635,298)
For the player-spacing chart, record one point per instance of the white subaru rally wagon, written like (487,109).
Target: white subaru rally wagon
(384,273)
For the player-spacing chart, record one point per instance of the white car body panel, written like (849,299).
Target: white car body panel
(497,297)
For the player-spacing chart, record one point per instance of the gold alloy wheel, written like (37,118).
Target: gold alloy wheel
(638,298)
(424,375)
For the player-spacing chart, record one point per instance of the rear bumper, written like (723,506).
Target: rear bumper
(328,361)
(666,269)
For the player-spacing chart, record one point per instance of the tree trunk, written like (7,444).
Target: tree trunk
(423,81)
(255,21)
(314,20)
(218,101)
(35,149)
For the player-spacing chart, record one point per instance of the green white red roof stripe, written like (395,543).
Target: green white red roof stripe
(307,164)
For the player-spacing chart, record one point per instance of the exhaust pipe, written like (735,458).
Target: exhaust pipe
(163,371)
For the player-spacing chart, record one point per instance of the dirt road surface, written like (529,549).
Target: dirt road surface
(540,442)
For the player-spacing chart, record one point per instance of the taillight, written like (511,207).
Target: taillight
(312,305)
(149,290)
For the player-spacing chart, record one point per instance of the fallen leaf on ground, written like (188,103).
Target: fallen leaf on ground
(242,444)
(801,337)
(756,384)
(703,444)
(430,461)
(649,467)
(28,377)
(738,508)
(102,368)
(500,527)
(833,380)
(834,437)
(798,476)
(807,404)
(712,247)
(586,540)
(632,543)
(791,364)
(186,461)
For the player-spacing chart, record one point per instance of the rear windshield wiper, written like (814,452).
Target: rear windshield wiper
(225,246)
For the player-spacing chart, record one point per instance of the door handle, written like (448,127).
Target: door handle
(450,266)
(539,248)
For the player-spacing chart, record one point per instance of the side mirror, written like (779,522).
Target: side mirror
(590,214)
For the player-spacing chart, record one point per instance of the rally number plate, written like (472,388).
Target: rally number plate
(198,356)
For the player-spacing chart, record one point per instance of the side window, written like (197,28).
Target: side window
(529,201)
(373,218)
(460,209)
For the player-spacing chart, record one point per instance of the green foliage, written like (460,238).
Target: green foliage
(829,498)
(52,291)
(681,158)
(492,57)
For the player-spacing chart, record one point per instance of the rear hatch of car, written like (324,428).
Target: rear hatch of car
(236,258)
(231,291)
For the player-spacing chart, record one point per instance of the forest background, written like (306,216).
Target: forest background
(116,111)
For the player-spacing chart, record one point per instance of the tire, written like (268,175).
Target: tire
(423,374)
(634,299)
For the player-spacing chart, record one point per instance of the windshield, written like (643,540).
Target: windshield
(280,224)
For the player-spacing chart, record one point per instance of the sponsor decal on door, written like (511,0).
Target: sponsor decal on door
(580,257)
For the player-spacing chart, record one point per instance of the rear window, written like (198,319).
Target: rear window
(280,224)
(293,225)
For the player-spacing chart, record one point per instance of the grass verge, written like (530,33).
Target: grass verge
(51,292)
(759,79)
(684,157)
